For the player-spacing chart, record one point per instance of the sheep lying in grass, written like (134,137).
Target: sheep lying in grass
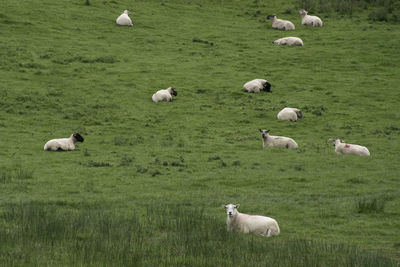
(280,24)
(257,85)
(164,95)
(124,19)
(343,148)
(245,223)
(290,41)
(309,20)
(290,114)
(277,141)
(63,144)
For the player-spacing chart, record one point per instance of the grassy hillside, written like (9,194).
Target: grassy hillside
(66,67)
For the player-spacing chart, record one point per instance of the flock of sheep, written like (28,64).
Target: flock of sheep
(236,221)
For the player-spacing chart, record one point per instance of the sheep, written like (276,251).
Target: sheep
(164,95)
(277,141)
(280,24)
(63,144)
(124,19)
(290,114)
(257,85)
(309,20)
(343,148)
(291,41)
(245,223)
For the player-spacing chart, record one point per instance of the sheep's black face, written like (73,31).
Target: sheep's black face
(299,114)
(78,137)
(174,92)
(267,87)
(271,16)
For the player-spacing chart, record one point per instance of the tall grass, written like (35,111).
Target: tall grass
(382,10)
(169,235)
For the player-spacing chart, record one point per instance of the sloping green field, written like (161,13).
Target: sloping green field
(147,184)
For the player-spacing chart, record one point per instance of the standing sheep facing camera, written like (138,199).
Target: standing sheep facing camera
(290,41)
(277,141)
(280,24)
(343,148)
(310,20)
(124,19)
(257,85)
(253,224)
(290,114)
(63,144)
(164,95)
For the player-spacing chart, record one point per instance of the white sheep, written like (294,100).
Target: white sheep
(310,20)
(290,41)
(124,19)
(257,85)
(290,114)
(245,223)
(280,24)
(277,141)
(343,148)
(164,95)
(63,144)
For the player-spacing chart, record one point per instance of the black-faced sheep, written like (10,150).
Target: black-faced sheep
(63,144)
(290,114)
(164,95)
(257,85)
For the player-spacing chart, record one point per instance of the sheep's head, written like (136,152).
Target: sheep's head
(78,137)
(271,17)
(264,133)
(335,141)
(173,91)
(231,209)
(302,12)
(299,114)
(126,12)
(267,87)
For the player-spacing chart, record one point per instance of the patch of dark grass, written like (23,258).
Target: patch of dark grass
(5,177)
(126,160)
(370,205)
(216,157)
(198,40)
(141,169)
(98,164)
(23,174)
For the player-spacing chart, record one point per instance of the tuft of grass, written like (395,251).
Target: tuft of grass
(23,174)
(370,205)
(92,163)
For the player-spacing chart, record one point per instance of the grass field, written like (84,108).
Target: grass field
(147,185)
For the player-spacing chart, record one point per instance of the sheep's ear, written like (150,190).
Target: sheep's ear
(223,206)
(267,131)
(260,130)
(237,205)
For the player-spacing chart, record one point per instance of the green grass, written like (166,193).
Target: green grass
(66,67)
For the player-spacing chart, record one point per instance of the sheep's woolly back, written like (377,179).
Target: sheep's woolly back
(352,149)
(290,41)
(253,224)
(281,24)
(124,19)
(164,95)
(277,141)
(290,114)
(63,144)
(257,85)
(310,20)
